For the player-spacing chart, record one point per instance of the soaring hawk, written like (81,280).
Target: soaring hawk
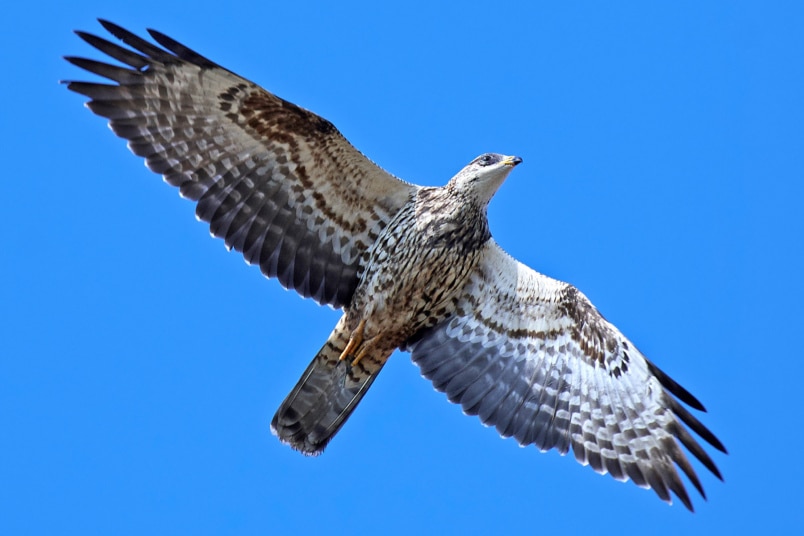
(412,267)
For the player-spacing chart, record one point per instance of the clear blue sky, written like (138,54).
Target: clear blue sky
(140,362)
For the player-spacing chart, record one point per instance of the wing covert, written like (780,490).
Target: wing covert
(531,356)
(276,182)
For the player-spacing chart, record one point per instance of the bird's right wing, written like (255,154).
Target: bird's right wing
(532,356)
(276,182)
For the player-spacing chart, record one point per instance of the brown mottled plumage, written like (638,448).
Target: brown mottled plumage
(395,301)
(412,267)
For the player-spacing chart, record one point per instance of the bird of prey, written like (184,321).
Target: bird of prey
(411,267)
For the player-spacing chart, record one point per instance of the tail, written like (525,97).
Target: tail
(326,394)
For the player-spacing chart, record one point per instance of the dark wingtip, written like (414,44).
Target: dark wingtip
(688,505)
(137,43)
(109,25)
(715,442)
(181,50)
(683,496)
(671,385)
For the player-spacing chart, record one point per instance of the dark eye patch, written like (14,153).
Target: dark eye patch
(488,159)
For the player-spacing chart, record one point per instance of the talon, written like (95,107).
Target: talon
(354,341)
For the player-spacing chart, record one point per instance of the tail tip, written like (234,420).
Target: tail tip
(297,439)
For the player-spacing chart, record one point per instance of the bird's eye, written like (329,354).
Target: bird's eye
(487,159)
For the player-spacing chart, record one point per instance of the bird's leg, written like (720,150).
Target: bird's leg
(355,340)
(364,349)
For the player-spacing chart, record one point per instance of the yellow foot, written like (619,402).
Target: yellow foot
(363,351)
(354,341)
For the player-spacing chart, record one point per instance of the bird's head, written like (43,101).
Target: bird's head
(483,176)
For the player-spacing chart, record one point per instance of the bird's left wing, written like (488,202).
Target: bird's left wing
(533,357)
(276,182)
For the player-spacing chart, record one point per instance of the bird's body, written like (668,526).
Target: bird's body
(412,267)
(418,263)
(410,278)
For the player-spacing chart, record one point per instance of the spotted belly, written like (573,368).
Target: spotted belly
(417,266)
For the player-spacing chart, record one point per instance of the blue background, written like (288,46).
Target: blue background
(140,363)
